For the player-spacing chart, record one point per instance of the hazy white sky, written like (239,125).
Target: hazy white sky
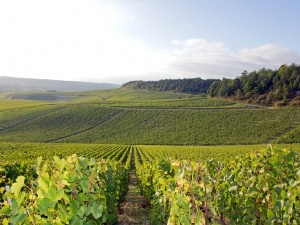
(121,40)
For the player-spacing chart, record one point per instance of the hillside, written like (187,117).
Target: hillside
(279,87)
(143,117)
(27,84)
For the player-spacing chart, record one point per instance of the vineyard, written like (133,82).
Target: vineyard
(260,188)
(17,153)
(146,118)
(91,123)
(181,186)
(140,157)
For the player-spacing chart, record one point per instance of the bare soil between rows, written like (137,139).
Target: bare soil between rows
(134,210)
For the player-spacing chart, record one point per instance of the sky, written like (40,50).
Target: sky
(117,41)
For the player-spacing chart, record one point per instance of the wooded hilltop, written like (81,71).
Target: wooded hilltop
(279,87)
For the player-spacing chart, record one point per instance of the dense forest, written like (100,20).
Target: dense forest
(191,85)
(266,87)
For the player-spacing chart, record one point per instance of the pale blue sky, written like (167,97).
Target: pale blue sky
(239,24)
(121,40)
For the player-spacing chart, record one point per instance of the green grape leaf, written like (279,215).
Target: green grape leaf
(186,220)
(82,211)
(17,186)
(84,185)
(18,219)
(14,207)
(5,221)
(63,213)
(97,211)
(44,205)
(6,210)
(84,162)
(76,221)
(60,163)
(176,210)
(270,214)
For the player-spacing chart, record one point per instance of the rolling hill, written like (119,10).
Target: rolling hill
(144,117)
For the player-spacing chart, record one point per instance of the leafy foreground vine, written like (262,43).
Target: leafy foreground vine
(72,190)
(261,188)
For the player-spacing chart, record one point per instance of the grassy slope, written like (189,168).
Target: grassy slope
(86,120)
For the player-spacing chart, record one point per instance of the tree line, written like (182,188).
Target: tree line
(264,86)
(190,85)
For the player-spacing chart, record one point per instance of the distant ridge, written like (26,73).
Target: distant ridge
(28,84)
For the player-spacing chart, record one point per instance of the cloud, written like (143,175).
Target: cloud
(195,49)
(212,59)
(269,54)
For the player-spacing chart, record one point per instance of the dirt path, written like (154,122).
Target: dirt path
(134,210)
